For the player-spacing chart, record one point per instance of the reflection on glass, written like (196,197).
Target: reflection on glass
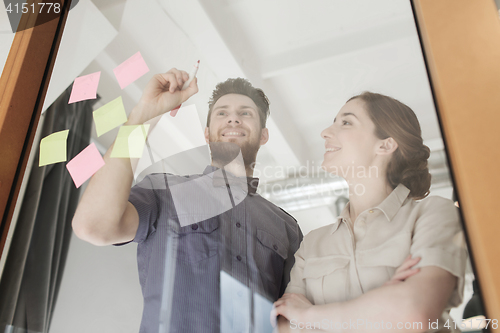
(212,255)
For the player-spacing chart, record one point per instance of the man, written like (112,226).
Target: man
(212,254)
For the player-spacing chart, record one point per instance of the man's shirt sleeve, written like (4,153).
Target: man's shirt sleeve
(295,239)
(144,197)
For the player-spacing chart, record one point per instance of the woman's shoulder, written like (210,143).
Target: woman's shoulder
(433,207)
(434,202)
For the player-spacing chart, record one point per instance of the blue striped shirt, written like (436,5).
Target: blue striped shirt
(211,258)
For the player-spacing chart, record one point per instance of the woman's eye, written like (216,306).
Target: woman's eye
(344,122)
(245,113)
(220,113)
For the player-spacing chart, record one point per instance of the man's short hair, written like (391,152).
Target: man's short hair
(242,87)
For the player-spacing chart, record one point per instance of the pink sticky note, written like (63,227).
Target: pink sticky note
(85,87)
(85,164)
(130,70)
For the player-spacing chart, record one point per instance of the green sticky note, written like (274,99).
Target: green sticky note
(109,116)
(130,141)
(53,148)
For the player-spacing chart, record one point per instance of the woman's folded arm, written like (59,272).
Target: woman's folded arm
(418,300)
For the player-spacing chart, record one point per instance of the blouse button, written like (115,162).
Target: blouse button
(238,224)
(275,247)
(238,257)
(194,226)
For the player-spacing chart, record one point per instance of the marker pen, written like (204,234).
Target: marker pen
(192,74)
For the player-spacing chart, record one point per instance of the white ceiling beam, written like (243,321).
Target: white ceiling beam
(336,47)
(229,55)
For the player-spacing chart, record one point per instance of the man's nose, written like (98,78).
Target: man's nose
(233,118)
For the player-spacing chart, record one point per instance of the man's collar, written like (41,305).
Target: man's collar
(222,177)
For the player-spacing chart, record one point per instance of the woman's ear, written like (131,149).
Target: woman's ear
(387,146)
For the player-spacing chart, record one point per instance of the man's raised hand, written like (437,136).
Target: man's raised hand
(162,94)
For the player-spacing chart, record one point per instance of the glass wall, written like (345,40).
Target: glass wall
(217,259)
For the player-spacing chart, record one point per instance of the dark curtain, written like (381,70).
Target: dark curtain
(35,262)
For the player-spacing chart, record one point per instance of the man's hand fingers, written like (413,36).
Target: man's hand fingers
(162,80)
(169,81)
(182,77)
(178,76)
(190,90)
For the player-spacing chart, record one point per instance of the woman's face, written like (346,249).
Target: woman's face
(350,142)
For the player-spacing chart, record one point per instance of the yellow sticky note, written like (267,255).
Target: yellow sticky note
(130,141)
(109,116)
(53,148)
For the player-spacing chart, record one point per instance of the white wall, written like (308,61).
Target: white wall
(100,290)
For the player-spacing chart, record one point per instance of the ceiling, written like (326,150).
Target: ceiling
(310,57)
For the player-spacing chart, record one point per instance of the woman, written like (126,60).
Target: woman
(339,280)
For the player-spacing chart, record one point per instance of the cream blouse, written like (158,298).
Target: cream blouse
(341,261)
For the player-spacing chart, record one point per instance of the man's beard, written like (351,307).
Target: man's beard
(224,153)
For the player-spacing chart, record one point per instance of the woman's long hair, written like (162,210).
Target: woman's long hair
(408,165)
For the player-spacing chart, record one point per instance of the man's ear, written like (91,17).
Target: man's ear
(387,146)
(206,135)
(264,136)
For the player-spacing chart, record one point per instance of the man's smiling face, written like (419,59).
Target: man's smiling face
(235,118)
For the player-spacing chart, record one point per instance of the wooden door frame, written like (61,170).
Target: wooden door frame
(23,85)
(461,44)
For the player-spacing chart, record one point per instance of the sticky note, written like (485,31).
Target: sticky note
(85,87)
(53,148)
(130,70)
(85,164)
(109,116)
(130,141)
